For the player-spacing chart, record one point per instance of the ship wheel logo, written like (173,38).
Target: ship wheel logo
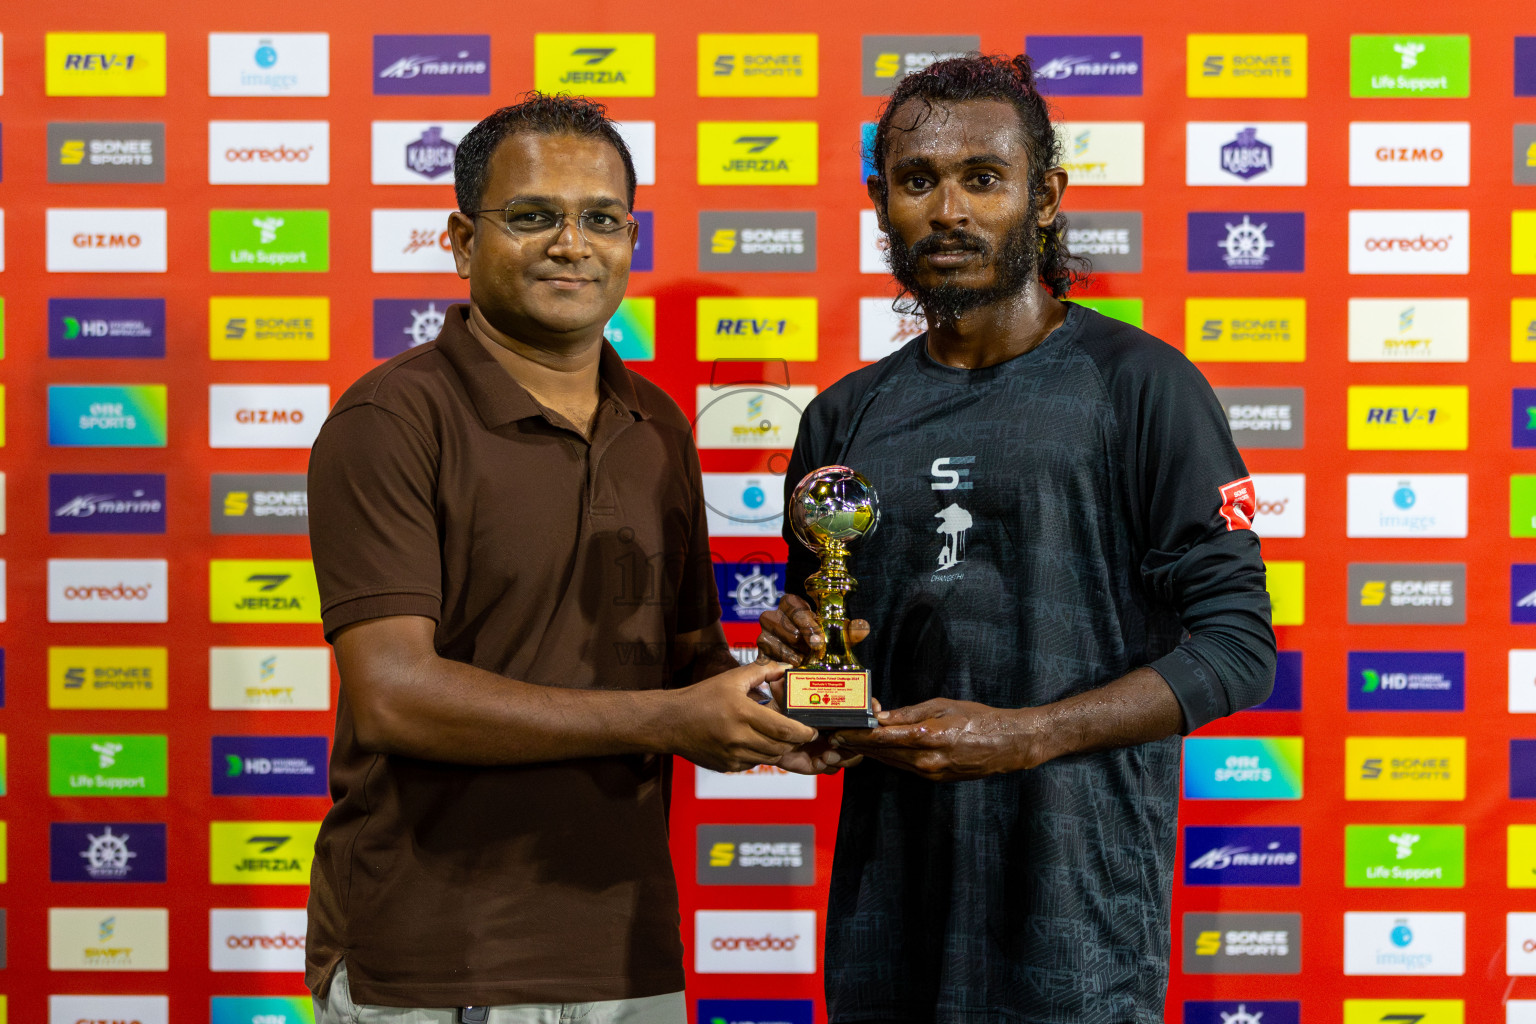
(426,324)
(1245,244)
(107,855)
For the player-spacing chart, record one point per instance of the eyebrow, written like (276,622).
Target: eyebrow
(991,159)
(589,203)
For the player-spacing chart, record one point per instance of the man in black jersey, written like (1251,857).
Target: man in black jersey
(1064,581)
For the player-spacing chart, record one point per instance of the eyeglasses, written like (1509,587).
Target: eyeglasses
(530,220)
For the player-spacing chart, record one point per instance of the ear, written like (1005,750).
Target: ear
(461,232)
(876,189)
(1048,201)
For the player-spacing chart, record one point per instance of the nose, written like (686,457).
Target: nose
(569,242)
(949,207)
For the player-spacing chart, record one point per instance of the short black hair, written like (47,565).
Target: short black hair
(991,77)
(541,114)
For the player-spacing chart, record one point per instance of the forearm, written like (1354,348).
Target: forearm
(1137,708)
(701,654)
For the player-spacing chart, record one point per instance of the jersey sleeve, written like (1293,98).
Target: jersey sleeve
(1194,503)
(372,519)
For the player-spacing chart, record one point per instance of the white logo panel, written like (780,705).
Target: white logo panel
(1408,330)
(640,137)
(1522,682)
(114,1009)
(102,241)
(269,152)
(1409,943)
(765,782)
(1407,505)
(754,941)
(872,244)
(416,152)
(882,330)
(749,417)
(1408,242)
(257,940)
(1245,153)
(1520,1011)
(1282,504)
(1102,152)
(412,242)
(1520,950)
(1410,153)
(744,504)
(269,64)
(107,590)
(266,415)
(269,678)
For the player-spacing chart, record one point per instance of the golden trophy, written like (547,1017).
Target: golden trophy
(830,508)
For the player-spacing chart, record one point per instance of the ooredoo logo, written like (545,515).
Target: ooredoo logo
(1419,244)
(1408,242)
(269,152)
(107,590)
(755,941)
(256,940)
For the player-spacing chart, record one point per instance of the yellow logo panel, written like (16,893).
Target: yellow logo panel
(1245,330)
(2,415)
(1248,64)
(261,852)
(595,64)
(1432,418)
(1522,331)
(262,590)
(5,849)
(105,63)
(758,153)
(1522,857)
(757,329)
(106,677)
(1287,583)
(1522,242)
(1404,1011)
(269,327)
(758,64)
(1405,768)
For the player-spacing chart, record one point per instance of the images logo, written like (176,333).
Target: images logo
(744,504)
(262,590)
(1430,418)
(886,60)
(106,677)
(1248,65)
(754,941)
(758,153)
(1086,65)
(595,64)
(107,939)
(1245,330)
(269,152)
(1242,943)
(1221,855)
(269,766)
(1405,856)
(269,240)
(259,503)
(1408,330)
(736,328)
(416,152)
(432,65)
(1405,768)
(1410,66)
(1242,768)
(756,854)
(752,241)
(1396,944)
(1407,681)
(132,851)
(1245,153)
(269,64)
(744,417)
(266,415)
(105,64)
(253,327)
(257,940)
(106,151)
(401,324)
(1404,505)
(1265,417)
(1408,241)
(757,64)
(632,331)
(106,765)
(1247,241)
(1111,240)
(269,678)
(261,852)
(1410,152)
(104,241)
(1103,152)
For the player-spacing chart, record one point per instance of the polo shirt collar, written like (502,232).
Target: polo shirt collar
(498,398)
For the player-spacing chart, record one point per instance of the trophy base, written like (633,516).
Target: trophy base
(828,719)
(823,698)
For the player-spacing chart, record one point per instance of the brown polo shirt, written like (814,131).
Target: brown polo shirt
(439,487)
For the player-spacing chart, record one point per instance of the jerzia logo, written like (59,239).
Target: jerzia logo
(597,64)
(757,152)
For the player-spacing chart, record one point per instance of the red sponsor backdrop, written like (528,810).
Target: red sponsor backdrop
(838,109)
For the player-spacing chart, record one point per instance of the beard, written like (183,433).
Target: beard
(1015,263)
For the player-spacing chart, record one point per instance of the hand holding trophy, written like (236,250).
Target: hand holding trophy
(832,507)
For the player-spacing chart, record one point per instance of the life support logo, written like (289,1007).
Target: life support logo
(595,64)
(1413,66)
(1238,503)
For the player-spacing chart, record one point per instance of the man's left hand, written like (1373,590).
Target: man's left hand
(948,740)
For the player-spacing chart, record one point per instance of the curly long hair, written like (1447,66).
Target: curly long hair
(991,77)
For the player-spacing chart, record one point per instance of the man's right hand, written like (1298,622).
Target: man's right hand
(792,633)
(718,724)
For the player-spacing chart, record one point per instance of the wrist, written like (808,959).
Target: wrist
(1033,739)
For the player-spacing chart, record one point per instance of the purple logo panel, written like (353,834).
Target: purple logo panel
(1246,242)
(1086,65)
(431,65)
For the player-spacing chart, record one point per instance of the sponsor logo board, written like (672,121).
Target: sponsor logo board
(1407,505)
(106,328)
(1405,768)
(262,590)
(1427,593)
(401,324)
(1408,330)
(1388,418)
(1247,242)
(1112,240)
(1243,767)
(748,589)
(261,327)
(1407,681)
(256,940)
(632,331)
(1265,417)
(259,503)
(765,782)
(755,1011)
(758,153)
(1245,330)
(1281,510)
(1407,943)
(873,244)
(107,415)
(266,415)
(1522,592)
(1525,153)
(269,240)
(1522,505)
(1408,241)
(1227,943)
(1086,65)
(106,241)
(1287,584)
(751,241)
(269,64)
(1246,65)
(269,766)
(436,65)
(1522,769)
(104,64)
(269,678)
(120,851)
(756,854)
(743,417)
(882,330)
(1411,153)
(1253,855)
(416,152)
(106,151)
(1245,1011)
(269,152)
(1405,856)
(108,938)
(1521,849)
(1126,310)
(412,242)
(744,504)
(1522,682)
(106,503)
(112,1009)
(753,328)
(107,677)
(1102,152)
(1520,945)
(754,941)
(1286,694)
(261,852)
(1404,1011)
(640,137)
(886,60)
(96,765)
(262,1010)
(1245,153)
(1522,241)
(758,64)
(1414,66)
(595,64)
(107,590)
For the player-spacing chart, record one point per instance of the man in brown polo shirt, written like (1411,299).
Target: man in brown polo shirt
(509,534)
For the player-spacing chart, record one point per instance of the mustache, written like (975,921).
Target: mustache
(956,239)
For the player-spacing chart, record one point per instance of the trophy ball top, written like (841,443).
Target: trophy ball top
(833,504)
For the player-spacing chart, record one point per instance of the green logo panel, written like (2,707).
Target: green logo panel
(1405,856)
(106,765)
(1410,66)
(1128,310)
(1522,505)
(269,240)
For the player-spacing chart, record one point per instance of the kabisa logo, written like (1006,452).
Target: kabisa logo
(261,852)
(1405,768)
(1410,66)
(106,328)
(262,590)
(754,241)
(1405,856)
(752,328)
(131,851)
(438,65)
(1242,943)
(431,155)
(269,64)
(1265,417)
(259,503)
(1259,855)
(758,64)
(269,766)
(1407,592)
(269,153)
(886,60)
(401,324)
(107,677)
(1407,681)
(1427,418)
(1398,944)
(595,64)
(105,63)
(758,153)
(755,1011)
(416,152)
(106,765)
(269,240)
(1246,1011)
(1245,153)
(105,151)
(250,327)
(1245,330)
(1256,242)
(1243,768)
(106,503)
(748,589)
(1086,65)
(1247,156)
(1249,65)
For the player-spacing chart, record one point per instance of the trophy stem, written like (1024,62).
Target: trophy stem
(830,586)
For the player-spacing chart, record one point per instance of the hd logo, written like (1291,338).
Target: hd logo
(757,64)
(267,590)
(758,153)
(606,64)
(261,852)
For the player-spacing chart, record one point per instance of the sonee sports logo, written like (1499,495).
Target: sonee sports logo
(1238,504)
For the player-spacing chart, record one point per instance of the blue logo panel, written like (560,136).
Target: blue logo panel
(1242,1011)
(262,1010)
(118,851)
(645,244)
(431,65)
(1248,242)
(1286,696)
(1523,417)
(1407,681)
(1522,593)
(1525,65)
(754,1011)
(1243,767)
(402,324)
(269,766)
(106,503)
(1222,855)
(1522,769)
(106,328)
(1086,65)
(747,589)
(867,150)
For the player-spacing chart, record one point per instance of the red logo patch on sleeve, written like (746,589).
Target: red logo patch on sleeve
(1238,503)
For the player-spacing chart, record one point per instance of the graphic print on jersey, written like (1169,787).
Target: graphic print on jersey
(953,520)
